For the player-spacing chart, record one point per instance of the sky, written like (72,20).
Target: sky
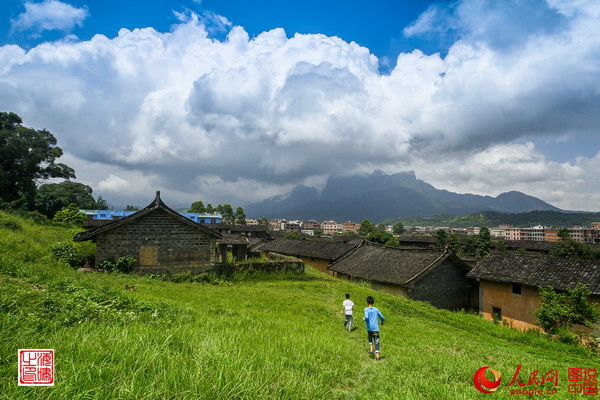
(237,101)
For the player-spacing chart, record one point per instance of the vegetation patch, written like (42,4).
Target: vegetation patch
(64,302)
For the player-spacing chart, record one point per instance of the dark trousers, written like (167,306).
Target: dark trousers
(373,337)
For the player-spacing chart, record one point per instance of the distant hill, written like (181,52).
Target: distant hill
(381,196)
(490,218)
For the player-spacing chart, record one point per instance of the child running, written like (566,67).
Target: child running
(347,307)
(372,316)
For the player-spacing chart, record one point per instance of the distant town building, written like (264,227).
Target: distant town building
(582,234)
(292,226)
(350,227)
(276,224)
(311,224)
(329,227)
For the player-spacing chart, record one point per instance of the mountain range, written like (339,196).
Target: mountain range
(381,196)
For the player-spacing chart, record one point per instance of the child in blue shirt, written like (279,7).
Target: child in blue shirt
(372,316)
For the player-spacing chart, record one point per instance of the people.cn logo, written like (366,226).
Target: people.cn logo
(483,384)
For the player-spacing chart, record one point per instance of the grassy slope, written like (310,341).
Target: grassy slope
(260,338)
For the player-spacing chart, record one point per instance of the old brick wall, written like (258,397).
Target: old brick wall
(159,242)
(445,287)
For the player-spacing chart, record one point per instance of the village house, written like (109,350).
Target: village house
(330,227)
(350,227)
(316,253)
(159,238)
(435,276)
(509,284)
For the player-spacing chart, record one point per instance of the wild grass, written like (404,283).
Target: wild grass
(261,337)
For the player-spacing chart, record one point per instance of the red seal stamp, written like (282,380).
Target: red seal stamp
(36,367)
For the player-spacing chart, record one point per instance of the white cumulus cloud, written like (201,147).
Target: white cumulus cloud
(240,119)
(49,15)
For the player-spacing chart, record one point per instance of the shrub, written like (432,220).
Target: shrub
(70,214)
(75,255)
(119,264)
(68,253)
(9,223)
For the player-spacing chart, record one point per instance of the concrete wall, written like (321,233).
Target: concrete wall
(159,242)
(444,287)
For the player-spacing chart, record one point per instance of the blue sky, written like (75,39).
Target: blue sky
(236,101)
(376,25)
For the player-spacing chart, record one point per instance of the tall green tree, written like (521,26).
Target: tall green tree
(28,157)
(240,216)
(483,241)
(197,207)
(469,247)
(226,212)
(453,242)
(101,204)
(52,197)
(365,228)
(567,247)
(398,228)
(501,246)
(381,237)
(442,238)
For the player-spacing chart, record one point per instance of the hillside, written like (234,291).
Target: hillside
(256,337)
(380,196)
(491,219)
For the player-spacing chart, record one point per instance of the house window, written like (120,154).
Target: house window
(516,288)
(497,314)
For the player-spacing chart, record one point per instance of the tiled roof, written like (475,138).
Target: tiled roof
(155,205)
(308,248)
(560,273)
(233,239)
(538,245)
(417,239)
(237,228)
(380,263)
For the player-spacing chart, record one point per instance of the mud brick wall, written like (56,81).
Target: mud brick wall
(159,242)
(444,287)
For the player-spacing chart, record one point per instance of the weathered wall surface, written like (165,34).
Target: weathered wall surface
(447,286)
(159,242)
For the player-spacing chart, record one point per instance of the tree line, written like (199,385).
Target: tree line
(225,210)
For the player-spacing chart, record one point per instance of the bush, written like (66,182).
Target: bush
(67,252)
(70,214)
(9,223)
(119,264)
(75,255)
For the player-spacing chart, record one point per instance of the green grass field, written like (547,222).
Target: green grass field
(267,337)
